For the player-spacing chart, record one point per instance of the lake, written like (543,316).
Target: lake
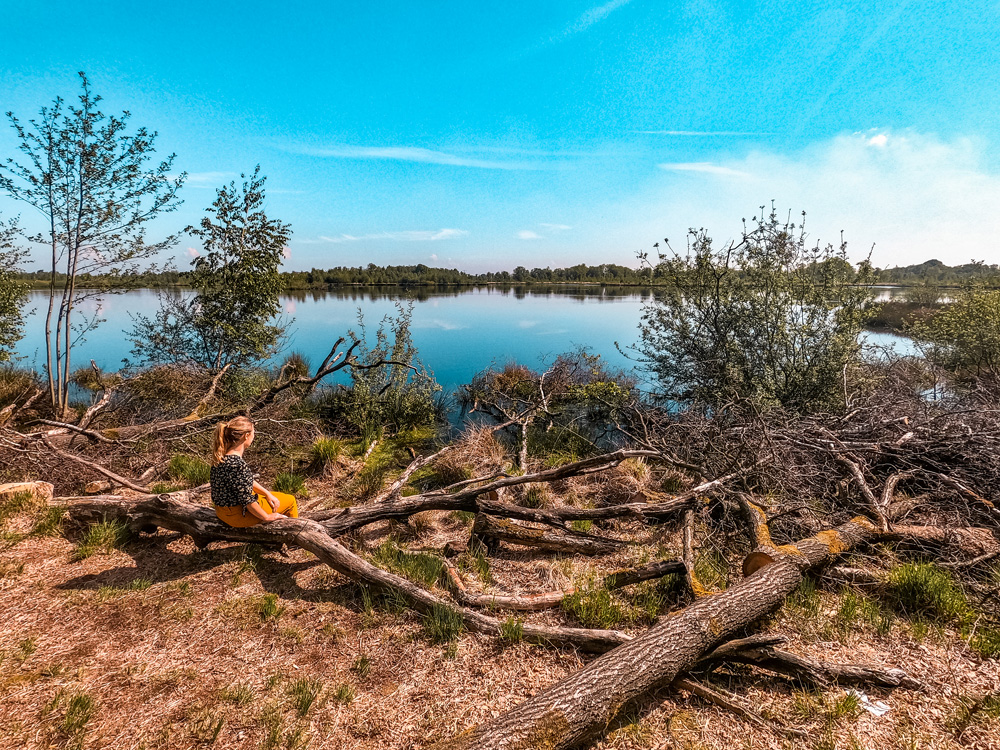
(457,333)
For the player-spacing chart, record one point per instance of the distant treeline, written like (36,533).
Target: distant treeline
(936,273)
(932,272)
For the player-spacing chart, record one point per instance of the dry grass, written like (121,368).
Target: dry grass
(159,645)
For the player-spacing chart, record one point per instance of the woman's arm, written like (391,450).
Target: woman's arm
(259,489)
(256,510)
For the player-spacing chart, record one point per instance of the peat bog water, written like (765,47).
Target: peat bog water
(457,332)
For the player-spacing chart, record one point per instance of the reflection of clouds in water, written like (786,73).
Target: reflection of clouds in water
(446,325)
(290,307)
(527,323)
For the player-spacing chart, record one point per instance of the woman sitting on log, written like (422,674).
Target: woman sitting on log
(239,500)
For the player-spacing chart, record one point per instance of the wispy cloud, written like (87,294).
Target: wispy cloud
(556,227)
(527,234)
(592,16)
(208,180)
(193,252)
(413,154)
(410,235)
(704,167)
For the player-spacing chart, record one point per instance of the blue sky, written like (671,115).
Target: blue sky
(548,133)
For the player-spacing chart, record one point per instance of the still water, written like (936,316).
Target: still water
(457,334)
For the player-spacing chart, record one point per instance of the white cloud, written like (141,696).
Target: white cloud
(286,253)
(705,168)
(527,323)
(556,227)
(413,154)
(410,235)
(434,256)
(527,234)
(193,252)
(913,195)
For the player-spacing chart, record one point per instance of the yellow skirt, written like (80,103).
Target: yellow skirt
(234,516)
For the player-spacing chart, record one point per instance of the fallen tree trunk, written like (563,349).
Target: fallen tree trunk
(582,705)
(173,512)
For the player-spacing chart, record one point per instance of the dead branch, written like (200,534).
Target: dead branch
(490,531)
(583,704)
(729,703)
(171,512)
(96,467)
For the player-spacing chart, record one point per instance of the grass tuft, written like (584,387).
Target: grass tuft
(304,693)
(925,590)
(105,537)
(362,666)
(594,608)
(291,484)
(343,693)
(512,630)
(417,566)
(442,624)
(324,453)
(189,469)
(239,694)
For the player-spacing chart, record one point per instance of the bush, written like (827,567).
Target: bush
(765,319)
(385,398)
(964,336)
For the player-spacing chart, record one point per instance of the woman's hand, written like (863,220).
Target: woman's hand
(258,511)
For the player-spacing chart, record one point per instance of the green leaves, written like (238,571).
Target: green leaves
(767,319)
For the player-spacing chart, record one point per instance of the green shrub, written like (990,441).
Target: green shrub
(291,484)
(442,624)
(190,469)
(925,590)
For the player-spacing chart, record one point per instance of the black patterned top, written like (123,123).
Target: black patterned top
(232,482)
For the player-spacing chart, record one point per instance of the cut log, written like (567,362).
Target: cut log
(582,705)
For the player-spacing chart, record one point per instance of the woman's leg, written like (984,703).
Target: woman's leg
(287,505)
(234,516)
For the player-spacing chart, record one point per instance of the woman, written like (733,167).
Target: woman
(238,499)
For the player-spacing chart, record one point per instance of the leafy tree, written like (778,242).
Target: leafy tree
(89,177)
(12,291)
(231,319)
(766,318)
(964,336)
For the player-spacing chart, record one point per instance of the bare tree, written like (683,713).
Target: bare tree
(89,178)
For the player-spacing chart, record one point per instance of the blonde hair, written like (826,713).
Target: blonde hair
(228,434)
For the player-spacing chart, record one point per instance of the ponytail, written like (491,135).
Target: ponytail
(228,434)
